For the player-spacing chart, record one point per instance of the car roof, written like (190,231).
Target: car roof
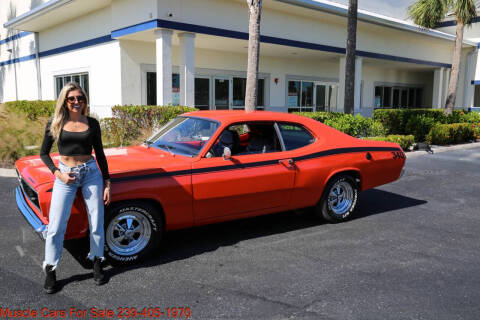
(241,115)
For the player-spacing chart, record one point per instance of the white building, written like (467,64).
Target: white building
(194,52)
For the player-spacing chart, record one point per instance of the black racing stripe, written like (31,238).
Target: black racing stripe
(320,154)
(332,152)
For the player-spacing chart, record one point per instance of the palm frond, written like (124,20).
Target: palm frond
(465,11)
(429,13)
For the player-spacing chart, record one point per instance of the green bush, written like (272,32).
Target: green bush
(357,126)
(419,126)
(451,133)
(396,120)
(130,124)
(32,109)
(405,141)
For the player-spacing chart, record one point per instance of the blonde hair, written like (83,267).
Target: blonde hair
(61,115)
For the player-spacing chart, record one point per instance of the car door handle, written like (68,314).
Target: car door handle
(289,163)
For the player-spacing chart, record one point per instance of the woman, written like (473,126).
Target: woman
(75,134)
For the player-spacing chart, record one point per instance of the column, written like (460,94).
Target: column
(187,69)
(341,86)
(446,82)
(437,88)
(358,84)
(164,66)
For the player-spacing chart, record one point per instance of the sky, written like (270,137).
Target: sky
(391,8)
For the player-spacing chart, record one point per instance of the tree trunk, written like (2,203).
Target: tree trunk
(452,86)
(350,57)
(255,9)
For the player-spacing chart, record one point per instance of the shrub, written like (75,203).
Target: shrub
(131,124)
(419,126)
(405,141)
(396,120)
(451,133)
(357,126)
(32,109)
(476,130)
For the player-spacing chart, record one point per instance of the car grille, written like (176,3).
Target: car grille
(29,191)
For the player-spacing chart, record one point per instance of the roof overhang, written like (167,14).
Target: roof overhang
(367,16)
(54,12)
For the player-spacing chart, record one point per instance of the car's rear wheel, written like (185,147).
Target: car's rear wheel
(339,199)
(132,231)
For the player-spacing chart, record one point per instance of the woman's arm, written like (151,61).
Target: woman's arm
(45,150)
(99,154)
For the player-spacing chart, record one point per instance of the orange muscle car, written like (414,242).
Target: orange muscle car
(210,166)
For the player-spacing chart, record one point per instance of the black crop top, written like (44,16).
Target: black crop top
(75,144)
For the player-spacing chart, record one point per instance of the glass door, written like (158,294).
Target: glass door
(222,93)
(326,96)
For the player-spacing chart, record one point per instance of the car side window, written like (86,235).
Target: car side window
(247,138)
(295,136)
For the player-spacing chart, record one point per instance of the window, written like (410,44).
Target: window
(310,95)
(79,78)
(240,89)
(247,138)
(398,97)
(202,93)
(152,89)
(295,136)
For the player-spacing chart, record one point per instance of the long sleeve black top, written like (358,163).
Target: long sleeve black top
(76,143)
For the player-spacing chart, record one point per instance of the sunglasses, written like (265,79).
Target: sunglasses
(78,98)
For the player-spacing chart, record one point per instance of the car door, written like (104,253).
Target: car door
(245,183)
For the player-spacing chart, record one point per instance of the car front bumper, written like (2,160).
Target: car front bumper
(29,215)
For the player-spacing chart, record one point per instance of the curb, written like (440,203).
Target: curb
(440,149)
(8,173)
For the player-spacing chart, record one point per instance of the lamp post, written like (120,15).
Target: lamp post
(12,51)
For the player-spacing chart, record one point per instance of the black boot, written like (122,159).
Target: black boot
(98,274)
(50,280)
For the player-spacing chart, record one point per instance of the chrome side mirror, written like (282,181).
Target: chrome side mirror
(227,153)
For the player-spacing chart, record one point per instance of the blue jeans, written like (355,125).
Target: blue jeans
(89,178)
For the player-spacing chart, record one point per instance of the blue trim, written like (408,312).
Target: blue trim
(222,33)
(27,212)
(265,39)
(16,60)
(15,36)
(476,82)
(77,45)
(478,45)
(135,28)
(452,23)
(401,59)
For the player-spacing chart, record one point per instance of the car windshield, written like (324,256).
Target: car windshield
(184,135)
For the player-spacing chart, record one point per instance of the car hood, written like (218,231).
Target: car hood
(121,161)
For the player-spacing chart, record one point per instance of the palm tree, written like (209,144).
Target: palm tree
(350,58)
(255,9)
(428,14)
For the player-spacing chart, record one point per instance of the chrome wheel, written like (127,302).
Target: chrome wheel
(341,197)
(128,233)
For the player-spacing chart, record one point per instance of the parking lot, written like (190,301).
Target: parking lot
(412,252)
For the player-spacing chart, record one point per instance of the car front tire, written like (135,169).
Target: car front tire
(339,199)
(132,231)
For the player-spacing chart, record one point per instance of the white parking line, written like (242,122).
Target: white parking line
(20,251)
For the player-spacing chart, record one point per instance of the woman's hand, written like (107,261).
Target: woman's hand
(65,177)
(107,193)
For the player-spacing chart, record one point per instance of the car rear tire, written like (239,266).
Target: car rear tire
(132,231)
(339,199)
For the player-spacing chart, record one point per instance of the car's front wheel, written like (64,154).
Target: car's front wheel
(339,199)
(132,231)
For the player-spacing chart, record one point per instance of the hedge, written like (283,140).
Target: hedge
(32,109)
(451,133)
(405,141)
(356,126)
(130,123)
